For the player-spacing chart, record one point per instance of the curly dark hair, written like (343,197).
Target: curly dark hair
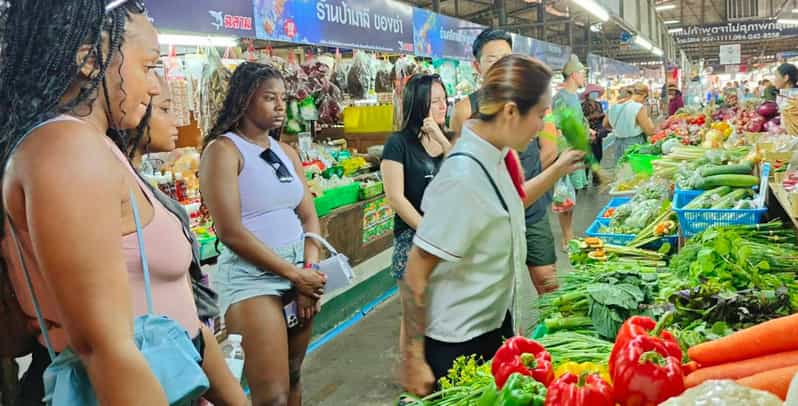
(245,81)
(40,40)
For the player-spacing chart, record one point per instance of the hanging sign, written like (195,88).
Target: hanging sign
(730,54)
(368,24)
(740,31)
(439,36)
(230,17)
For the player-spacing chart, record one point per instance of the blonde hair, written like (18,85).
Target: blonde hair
(640,89)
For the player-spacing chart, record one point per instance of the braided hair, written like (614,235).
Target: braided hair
(246,79)
(40,41)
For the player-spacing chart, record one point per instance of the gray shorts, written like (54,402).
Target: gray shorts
(237,280)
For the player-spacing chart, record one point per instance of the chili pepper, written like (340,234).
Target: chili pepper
(522,390)
(525,356)
(579,390)
(645,326)
(645,373)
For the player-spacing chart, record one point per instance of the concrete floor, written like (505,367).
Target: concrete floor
(358,367)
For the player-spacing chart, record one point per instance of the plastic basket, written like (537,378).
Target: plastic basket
(641,163)
(689,193)
(613,203)
(323,205)
(343,195)
(622,239)
(375,189)
(694,221)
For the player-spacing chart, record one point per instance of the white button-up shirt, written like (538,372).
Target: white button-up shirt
(482,245)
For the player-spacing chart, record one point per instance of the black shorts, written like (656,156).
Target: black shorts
(441,355)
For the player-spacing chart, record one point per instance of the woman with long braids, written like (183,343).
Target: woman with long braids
(157,132)
(75,75)
(254,187)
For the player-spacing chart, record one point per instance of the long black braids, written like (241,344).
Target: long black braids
(245,81)
(40,40)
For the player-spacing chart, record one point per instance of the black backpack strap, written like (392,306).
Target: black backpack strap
(490,178)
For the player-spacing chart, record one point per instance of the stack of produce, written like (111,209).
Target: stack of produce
(646,218)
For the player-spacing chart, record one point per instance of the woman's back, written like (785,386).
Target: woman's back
(623,119)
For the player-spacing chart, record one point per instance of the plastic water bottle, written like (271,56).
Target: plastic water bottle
(234,355)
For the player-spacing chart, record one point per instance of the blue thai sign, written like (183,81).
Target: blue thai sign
(553,55)
(229,17)
(371,24)
(439,36)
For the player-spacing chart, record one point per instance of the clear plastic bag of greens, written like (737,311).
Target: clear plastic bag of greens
(213,89)
(723,393)
(564,198)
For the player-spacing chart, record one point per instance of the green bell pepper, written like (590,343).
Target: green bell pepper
(522,390)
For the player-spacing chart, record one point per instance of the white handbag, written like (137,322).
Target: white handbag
(336,267)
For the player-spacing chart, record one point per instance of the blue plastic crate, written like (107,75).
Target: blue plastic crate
(622,239)
(689,193)
(694,221)
(613,203)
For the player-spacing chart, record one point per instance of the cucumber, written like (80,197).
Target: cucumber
(704,200)
(728,201)
(735,180)
(711,170)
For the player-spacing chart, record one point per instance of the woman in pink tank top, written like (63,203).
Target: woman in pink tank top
(66,189)
(254,187)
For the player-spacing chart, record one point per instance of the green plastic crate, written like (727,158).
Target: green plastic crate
(323,205)
(642,163)
(372,190)
(343,195)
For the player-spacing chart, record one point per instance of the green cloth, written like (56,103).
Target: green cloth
(571,100)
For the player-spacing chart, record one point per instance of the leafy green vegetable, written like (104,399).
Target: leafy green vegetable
(567,346)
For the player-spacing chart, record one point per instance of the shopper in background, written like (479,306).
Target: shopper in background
(770,92)
(457,289)
(594,113)
(574,74)
(786,76)
(76,79)
(411,159)
(255,189)
(675,100)
(158,133)
(630,121)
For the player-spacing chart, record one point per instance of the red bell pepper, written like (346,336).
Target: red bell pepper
(583,390)
(645,326)
(525,356)
(645,373)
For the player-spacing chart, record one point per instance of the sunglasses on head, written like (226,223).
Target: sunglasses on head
(282,172)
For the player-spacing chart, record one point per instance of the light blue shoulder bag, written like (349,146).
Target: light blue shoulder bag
(165,344)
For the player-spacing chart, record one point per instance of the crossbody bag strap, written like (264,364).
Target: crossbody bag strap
(29,283)
(145,268)
(485,170)
(321,240)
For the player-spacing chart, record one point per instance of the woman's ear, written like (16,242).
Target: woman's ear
(86,60)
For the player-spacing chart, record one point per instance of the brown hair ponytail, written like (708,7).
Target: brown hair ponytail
(515,78)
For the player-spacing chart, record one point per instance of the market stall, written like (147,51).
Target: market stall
(684,286)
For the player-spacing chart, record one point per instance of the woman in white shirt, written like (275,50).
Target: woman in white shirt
(630,121)
(458,289)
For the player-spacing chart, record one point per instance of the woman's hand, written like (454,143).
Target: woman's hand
(307,307)
(309,282)
(433,130)
(570,161)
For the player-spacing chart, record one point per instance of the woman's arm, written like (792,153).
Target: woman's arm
(219,169)
(417,377)
(73,217)
(645,123)
(394,178)
(536,187)
(306,209)
(224,390)
(548,145)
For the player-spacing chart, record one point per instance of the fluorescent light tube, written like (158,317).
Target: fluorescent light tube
(672,22)
(787,21)
(675,30)
(597,10)
(196,40)
(656,51)
(643,42)
(665,7)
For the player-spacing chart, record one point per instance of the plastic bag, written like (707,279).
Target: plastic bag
(723,393)
(564,198)
(360,76)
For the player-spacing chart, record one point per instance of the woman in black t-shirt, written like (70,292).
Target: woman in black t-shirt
(411,159)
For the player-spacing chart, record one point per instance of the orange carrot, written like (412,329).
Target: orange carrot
(770,337)
(742,369)
(776,381)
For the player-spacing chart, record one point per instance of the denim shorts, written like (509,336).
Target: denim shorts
(237,280)
(401,248)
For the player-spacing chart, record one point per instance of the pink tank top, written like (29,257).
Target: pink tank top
(168,253)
